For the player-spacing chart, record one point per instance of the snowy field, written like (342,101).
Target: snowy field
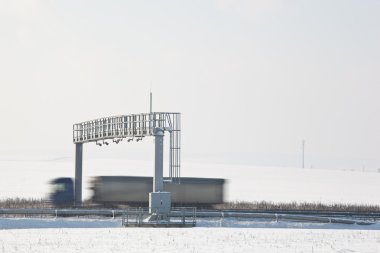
(188,240)
(81,235)
(29,178)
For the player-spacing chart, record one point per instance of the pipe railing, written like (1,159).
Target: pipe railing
(199,214)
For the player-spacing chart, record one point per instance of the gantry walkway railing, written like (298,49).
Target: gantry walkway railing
(134,127)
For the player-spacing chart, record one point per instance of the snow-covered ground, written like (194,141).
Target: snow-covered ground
(30,178)
(188,240)
(210,235)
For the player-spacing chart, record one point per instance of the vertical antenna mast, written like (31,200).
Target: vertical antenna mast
(150,102)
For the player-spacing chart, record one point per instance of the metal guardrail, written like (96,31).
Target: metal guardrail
(374,215)
(180,213)
(277,217)
(62,212)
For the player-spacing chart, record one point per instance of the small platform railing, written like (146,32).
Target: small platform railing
(177,217)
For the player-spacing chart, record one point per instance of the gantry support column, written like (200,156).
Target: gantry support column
(78,173)
(159,201)
(158,183)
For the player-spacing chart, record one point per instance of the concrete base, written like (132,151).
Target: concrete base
(159,202)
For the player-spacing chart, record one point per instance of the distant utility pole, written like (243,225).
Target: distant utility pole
(303,153)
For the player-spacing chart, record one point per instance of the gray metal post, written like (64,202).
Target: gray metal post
(78,173)
(159,201)
(158,184)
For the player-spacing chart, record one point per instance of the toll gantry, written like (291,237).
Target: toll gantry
(134,127)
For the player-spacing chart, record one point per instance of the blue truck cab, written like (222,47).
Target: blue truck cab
(62,193)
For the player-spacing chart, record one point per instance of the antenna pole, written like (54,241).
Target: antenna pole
(151,102)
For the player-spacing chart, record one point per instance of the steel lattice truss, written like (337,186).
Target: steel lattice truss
(133,126)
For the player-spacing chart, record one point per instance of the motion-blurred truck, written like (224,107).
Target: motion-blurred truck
(135,190)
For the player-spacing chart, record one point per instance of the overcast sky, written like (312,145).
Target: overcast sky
(252,79)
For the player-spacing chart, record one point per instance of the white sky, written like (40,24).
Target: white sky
(251,78)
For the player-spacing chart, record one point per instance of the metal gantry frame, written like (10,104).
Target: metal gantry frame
(133,127)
